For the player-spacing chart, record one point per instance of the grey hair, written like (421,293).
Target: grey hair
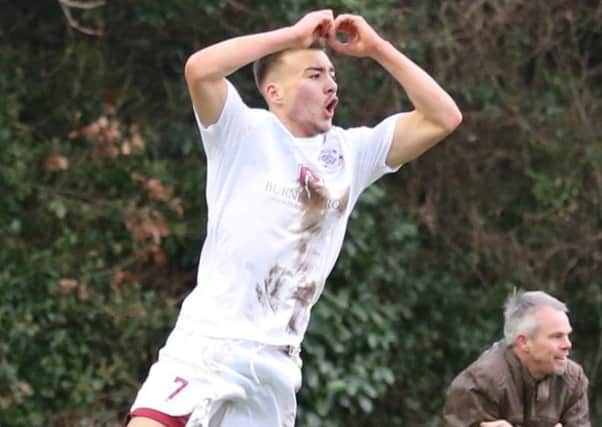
(519,313)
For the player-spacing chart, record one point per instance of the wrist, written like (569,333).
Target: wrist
(293,35)
(285,38)
(381,50)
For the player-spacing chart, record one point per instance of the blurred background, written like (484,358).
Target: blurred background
(103,211)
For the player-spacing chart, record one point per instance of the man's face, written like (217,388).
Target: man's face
(547,351)
(309,92)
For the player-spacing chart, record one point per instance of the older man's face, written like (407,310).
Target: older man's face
(548,350)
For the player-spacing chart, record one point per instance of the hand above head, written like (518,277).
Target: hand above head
(313,26)
(496,423)
(503,423)
(360,37)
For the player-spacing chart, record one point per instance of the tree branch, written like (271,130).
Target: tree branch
(67,5)
(82,5)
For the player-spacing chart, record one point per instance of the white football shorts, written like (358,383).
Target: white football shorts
(213,382)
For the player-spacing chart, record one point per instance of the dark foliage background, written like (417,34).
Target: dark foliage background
(103,212)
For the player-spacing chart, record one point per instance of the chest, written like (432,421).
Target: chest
(534,406)
(302,171)
(294,187)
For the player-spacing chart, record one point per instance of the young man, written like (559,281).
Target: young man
(280,188)
(527,379)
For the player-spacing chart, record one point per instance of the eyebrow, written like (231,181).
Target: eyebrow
(320,69)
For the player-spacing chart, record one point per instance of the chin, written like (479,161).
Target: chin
(560,369)
(326,125)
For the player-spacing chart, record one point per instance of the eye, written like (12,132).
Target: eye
(314,76)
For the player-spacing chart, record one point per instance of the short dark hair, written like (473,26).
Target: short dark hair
(263,65)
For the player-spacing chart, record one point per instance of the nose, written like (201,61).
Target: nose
(566,343)
(331,85)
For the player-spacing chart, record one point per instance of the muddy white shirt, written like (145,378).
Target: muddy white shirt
(278,208)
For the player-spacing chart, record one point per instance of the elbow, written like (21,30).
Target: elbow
(197,68)
(192,69)
(452,120)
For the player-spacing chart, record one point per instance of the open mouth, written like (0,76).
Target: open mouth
(331,106)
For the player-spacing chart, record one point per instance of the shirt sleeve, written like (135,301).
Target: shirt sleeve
(467,405)
(371,147)
(228,132)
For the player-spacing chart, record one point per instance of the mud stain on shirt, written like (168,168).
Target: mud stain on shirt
(268,292)
(303,297)
(313,200)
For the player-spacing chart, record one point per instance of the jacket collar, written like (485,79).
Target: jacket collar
(521,375)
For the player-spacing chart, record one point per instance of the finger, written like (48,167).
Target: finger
(325,16)
(331,32)
(327,12)
(325,20)
(326,25)
(343,23)
(347,27)
(323,30)
(338,45)
(344,17)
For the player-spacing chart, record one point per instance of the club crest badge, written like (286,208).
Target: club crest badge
(330,158)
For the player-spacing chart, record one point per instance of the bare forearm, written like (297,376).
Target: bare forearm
(206,69)
(423,91)
(224,58)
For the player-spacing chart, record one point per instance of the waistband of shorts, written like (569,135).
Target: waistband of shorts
(291,350)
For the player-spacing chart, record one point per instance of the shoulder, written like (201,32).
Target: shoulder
(250,117)
(356,136)
(387,124)
(263,115)
(346,132)
(239,108)
(263,122)
(489,372)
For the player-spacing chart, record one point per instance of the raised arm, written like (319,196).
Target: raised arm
(435,113)
(206,69)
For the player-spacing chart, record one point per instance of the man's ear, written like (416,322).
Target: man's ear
(521,342)
(273,93)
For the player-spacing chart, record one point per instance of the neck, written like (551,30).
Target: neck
(525,361)
(295,128)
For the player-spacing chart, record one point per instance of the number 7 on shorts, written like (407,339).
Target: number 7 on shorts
(182,383)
